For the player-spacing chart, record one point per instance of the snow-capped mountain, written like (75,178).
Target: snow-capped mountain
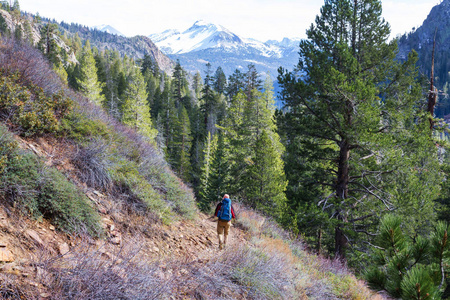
(108,29)
(206,42)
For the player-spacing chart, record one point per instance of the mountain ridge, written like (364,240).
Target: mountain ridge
(208,42)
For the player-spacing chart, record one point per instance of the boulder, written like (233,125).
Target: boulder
(34,236)
(6,255)
(63,248)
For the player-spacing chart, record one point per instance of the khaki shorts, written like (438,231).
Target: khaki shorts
(223,226)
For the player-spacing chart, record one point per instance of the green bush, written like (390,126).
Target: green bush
(62,203)
(32,188)
(30,109)
(80,128)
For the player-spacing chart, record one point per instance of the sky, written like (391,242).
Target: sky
(258,19)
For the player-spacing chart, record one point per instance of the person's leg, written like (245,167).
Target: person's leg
(226,231)
(220,231)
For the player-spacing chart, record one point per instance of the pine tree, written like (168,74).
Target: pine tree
(353,102)
(48,44)
(3,26)
(197,85)
(220,81)
(182,145)
(252,81)
(135,110)
(215,171)
(88,80)
(235,84)
(208,100)
(28,33)
(410,267)
(265,181)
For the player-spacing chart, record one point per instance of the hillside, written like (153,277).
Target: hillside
(91,210)
(421,40)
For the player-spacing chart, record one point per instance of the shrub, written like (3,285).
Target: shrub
(62,203)
(80,128)
(92,164)
(34,189)
(29,108)
(87,274)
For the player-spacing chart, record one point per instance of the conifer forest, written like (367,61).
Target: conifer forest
(354,162)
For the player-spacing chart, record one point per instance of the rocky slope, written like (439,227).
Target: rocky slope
(134,47)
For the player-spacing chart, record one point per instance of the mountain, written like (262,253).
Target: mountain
(421,40)
(108,29)
(135,47)
(206,42)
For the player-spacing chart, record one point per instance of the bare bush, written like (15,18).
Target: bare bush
(241,272)
(20,58)
(92,165)
(89,273)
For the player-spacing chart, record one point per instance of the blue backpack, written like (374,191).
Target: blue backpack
(224,213)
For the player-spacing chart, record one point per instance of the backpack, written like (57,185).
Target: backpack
(224,213)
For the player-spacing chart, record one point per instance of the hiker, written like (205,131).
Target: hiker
(225,212)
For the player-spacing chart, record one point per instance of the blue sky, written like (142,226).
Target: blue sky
(259,19)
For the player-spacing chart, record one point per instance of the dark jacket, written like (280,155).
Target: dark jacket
(218,208)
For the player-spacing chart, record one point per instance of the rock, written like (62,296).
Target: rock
(34,236)
(7,268)
(98,193)
(6,255)
(155,249)
(45,295)
(51,227)
(102,210)
(63,248)
(116,240)
(115,232)
(107,255)
(181,236)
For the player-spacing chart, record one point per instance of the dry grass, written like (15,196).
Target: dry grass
(312,276)
(91,272)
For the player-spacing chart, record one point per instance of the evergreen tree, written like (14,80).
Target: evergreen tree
(252,81)
(220,81)
(135,110)
(208,100)
(28,33)
(16,10)
(48,43)
(3,26)
(235,84)
(18,33)
(215,171)
(197,85)
(88,80)
(265,181)
(352,104)
(410,267)
(182,145)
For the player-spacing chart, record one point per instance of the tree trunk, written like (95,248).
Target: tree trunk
(432,97)
(319,241)
(342,194)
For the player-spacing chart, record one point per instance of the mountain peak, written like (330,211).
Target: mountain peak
(108,29)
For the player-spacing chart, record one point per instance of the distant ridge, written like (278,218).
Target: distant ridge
(209,42)
(108,29)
